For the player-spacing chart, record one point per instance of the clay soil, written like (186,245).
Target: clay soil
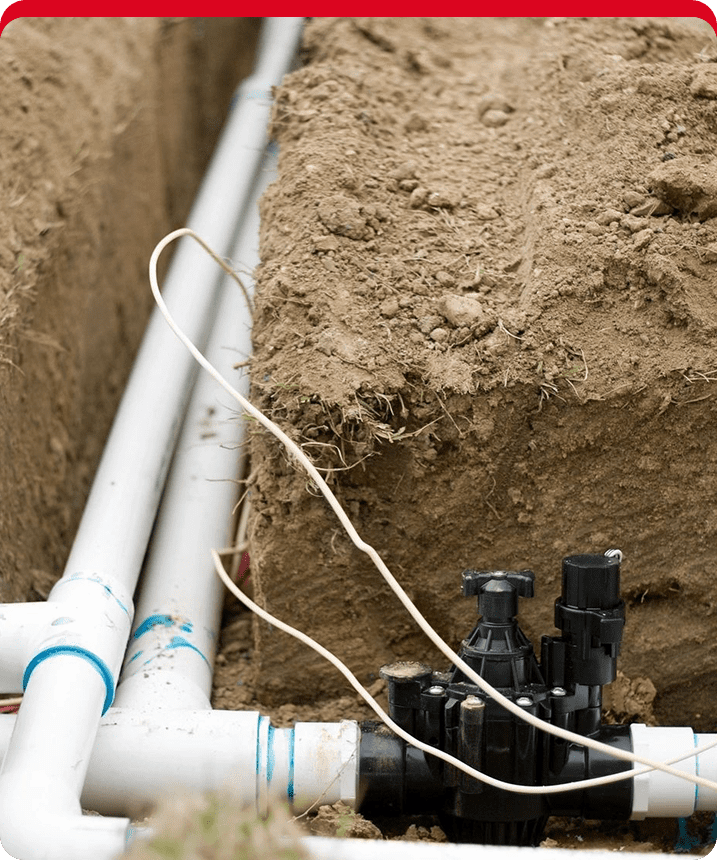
(486,309)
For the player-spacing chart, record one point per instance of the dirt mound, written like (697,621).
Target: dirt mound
(106,126)
(487,309)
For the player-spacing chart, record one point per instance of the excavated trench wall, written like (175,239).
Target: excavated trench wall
(106,126)
(486,307)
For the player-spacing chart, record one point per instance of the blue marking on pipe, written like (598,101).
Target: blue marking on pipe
(181,642)
(63,620)
(258,757)
(187,627)
(135,656)
(270,755)
(95,578)
(75,650)
(290,786)
(153,621)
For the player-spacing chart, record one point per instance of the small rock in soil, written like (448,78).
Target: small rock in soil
(418,197)
(486,213)
(407,170)
(632,199)
(609,215)
(633,224)
(325,243)
(343,216)
(415,123)
(463,311)
(652,206)
(641,239)
(389,308)
(495,118)
(494,101)
(704,83)
(688,186)
(710,253)
(443,199)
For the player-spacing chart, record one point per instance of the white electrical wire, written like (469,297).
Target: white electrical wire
(443,646)
(516,788)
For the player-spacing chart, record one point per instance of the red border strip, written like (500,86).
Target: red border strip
(602,8)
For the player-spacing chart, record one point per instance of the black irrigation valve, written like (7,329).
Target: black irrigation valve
(447,710)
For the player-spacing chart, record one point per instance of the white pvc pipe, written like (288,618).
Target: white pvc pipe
(140,756)
(120,510)
(170,657)
(19,623)
(39,795)
(706,799)
(657,794)
(320,848)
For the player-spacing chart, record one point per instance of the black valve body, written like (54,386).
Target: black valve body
(447,710)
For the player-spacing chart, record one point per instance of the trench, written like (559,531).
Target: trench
(401,641)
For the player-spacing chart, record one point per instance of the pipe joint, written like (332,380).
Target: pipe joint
(90,617)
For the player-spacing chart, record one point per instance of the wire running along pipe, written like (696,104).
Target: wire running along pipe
(366,548)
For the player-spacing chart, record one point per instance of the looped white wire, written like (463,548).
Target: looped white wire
(443,646)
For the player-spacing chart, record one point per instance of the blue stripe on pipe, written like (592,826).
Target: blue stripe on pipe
(258,735)
(181,642)
(270,755)
(75,650)
(152,621)
(98,580)
(290,786)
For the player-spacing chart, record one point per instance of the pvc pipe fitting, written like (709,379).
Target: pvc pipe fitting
(326,763)
(657,794)
(138,756)
(45,765)
(93,616)
(706,766)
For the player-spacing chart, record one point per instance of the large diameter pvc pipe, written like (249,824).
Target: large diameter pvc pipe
(116,525)
(170,657)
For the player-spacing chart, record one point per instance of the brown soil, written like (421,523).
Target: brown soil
(486,308)
(106,126)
